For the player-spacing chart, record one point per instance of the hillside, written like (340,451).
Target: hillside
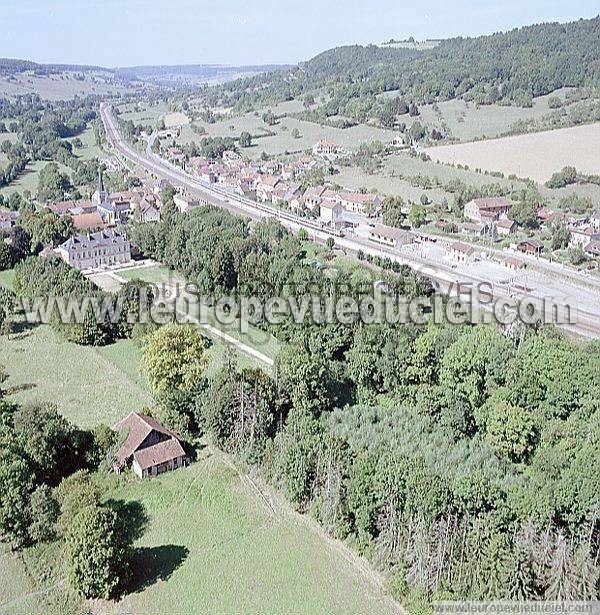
(502,67)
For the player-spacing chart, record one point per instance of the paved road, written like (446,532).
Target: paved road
(446,276)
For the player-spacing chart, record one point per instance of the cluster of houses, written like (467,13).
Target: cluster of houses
(97,243)
(109,209)
(279,183)
(487,215)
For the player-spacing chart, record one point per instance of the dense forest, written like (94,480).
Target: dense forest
(460,460)
(503,67)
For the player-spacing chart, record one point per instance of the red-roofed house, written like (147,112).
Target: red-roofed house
(326,149)
(359,203)
(88,222)
(150,448)
(459,252)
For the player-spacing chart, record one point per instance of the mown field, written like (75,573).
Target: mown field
(282,141)
(210,544)
(214,546)
(90,149)
(468,121)
(89,385)
(535,155)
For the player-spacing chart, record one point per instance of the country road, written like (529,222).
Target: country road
(549,284)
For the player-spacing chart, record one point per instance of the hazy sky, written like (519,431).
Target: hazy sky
(129,32)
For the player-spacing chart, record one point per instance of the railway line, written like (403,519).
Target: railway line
(446,278)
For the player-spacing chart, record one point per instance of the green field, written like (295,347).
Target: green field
(90,149)
(61,86)
(241,557)
(29,179)
(89,385)
(283,141)
(468,121)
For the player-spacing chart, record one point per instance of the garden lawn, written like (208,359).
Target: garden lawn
(6,278)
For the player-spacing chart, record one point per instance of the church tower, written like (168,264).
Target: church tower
(100,196)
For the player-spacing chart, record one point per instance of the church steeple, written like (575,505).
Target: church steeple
(100,196)
(101,190)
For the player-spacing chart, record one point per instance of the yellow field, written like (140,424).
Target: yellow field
(535,155)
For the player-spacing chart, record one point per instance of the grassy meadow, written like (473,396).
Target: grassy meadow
(29,179)
(210,544)
(61,86)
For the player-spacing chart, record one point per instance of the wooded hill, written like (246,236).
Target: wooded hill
(511,67)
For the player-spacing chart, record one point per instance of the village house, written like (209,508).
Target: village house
(8,219)
(582,236)
(70,208)
(95,250)
(146,210)
(595,221)
(175,155)
(358,203)
(476,229)
(184,203)
(445,226)
(245,188)
(490,208)
(227,179)
(390,236)
(169,133)
(314,196)
(593,248)
(230,157)
(398,141)
(87,222)
(265,185)
(150,449)
(530,246)
(331,213)
(546,215)
(459,252)
(327,149)
(506,227)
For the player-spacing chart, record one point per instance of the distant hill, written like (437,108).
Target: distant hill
(199,70)
(10,66)
(156,74)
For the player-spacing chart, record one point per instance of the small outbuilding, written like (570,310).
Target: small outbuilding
(150,449)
